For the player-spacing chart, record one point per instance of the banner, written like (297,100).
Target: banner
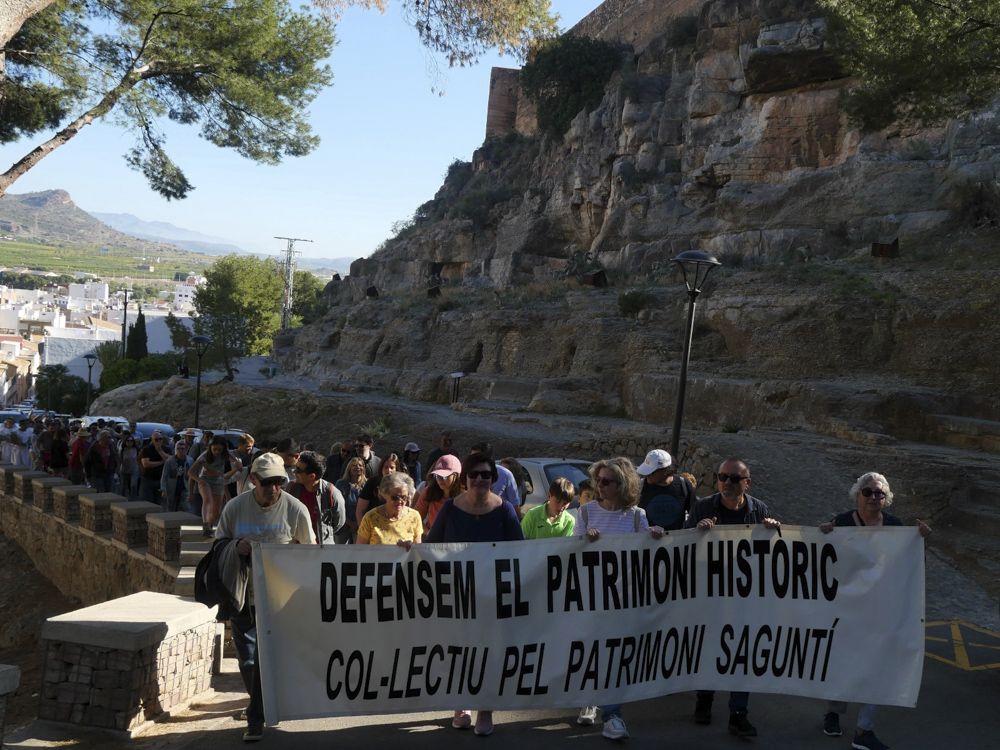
(355,630)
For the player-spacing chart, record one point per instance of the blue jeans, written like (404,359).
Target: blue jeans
(737,701)
(245,639)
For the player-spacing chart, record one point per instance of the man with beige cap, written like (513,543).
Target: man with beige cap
(265,513)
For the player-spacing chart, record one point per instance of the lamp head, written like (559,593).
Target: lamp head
(696,266)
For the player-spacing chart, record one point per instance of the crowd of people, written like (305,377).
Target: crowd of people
(353,496)
(356,497)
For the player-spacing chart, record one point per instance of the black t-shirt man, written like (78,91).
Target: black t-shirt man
(667,504)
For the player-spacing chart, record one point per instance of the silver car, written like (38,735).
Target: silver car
(534,475)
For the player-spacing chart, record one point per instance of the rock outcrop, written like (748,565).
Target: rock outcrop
(728,135)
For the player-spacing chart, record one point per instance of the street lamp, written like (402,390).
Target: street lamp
(91,359)
(201,344)
(696,267)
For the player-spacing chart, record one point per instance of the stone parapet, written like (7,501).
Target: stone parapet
(66,501)
(7,477)
(42,491)
(126,662)
(95,511)
(166,531)
(128,522)
(10,678)
(22,484)
(88,567)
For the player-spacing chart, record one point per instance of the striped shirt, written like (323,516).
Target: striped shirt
(593,516)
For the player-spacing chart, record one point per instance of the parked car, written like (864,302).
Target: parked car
(231,434)
(109,421)
(537,474)
(16,414)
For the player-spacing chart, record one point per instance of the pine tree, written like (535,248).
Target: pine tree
(137,341)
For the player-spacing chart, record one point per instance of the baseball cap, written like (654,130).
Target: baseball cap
(655,460)
(411,448)
(268,466)
(446,466)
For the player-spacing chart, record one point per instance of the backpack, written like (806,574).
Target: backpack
(208,587)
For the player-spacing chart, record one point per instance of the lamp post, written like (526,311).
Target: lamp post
(696,267)
(91,359)
(201,344)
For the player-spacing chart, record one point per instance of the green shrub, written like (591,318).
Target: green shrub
(125,371)
(568,74)
(633,302)
(476,205)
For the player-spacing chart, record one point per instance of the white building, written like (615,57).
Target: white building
(184,292)
(90,290)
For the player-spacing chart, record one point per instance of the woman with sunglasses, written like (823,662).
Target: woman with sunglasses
(616,511)
(394,521)
(871,495)
(476,515)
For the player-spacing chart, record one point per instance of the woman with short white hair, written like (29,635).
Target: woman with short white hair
(870,495)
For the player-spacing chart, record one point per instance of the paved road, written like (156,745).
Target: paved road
(957,709)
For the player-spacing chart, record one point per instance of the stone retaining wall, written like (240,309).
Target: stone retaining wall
(88,567)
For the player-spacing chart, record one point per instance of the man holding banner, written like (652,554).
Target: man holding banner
(267,514)
(731,505)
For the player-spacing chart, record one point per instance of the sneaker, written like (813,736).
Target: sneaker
(703,710)
(254,733)
(587,716)
(484,724)
(866,740)
(614,728)
(462,720)
(740,726)
(831,725)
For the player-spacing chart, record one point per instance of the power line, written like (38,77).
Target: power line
(290,253)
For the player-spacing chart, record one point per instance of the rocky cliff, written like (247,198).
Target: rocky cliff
(725,133)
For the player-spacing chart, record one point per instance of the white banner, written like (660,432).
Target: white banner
(355,630)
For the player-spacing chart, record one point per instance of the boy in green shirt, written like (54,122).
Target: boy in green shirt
(551,519)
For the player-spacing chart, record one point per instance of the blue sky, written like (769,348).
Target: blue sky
(387,139)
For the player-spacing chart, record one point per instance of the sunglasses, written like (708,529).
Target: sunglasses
(480,475)
(400,498)
(605,481)
(300,470)
(273,481)
(868,492)
(734,478)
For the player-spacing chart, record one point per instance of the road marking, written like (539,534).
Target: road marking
(962,644)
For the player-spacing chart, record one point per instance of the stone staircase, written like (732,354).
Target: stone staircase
(194,546)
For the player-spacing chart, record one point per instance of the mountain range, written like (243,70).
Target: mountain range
(51,217)
(189,239)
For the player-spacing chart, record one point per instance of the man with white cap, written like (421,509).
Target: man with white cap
(265,513)
(666,497)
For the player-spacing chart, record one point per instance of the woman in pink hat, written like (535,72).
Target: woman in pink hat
(442,484)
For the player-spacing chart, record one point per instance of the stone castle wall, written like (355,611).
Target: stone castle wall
(632,22)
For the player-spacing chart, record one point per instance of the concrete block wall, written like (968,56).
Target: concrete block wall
(123,663)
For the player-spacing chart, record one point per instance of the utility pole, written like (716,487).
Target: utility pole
(289,265)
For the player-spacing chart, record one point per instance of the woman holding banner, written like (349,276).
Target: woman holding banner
(616,511)
(394,521)
(476,515)
(871,495)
